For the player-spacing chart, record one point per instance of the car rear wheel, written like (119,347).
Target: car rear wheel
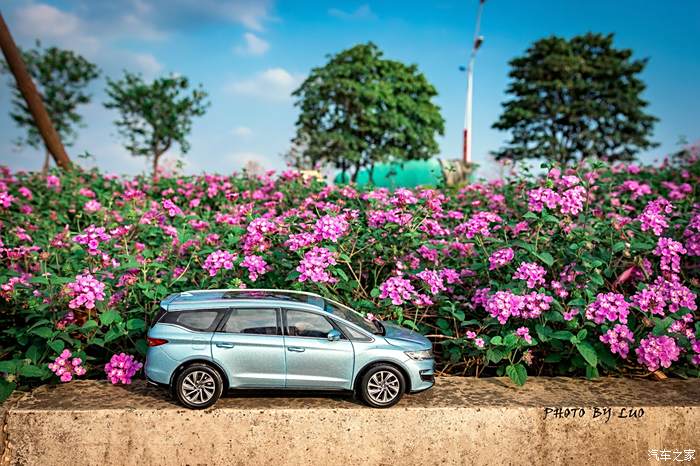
(382,386)
(198,386)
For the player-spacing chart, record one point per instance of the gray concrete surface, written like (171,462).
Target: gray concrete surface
(460,421)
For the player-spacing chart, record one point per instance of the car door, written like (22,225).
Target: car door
(250,347)
(312,360)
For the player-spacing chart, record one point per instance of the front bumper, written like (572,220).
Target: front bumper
(422,374)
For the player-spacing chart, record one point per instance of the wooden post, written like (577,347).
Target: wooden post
(36,107)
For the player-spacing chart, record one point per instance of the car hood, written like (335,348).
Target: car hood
(400,336)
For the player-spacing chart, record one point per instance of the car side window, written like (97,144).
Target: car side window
(307,324)
(202,321)
(252,321)
(351,333)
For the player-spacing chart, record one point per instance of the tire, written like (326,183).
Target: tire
(382,386)
(198,386)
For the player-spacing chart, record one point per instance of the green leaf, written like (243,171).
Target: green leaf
(33,353)
(517,373)
(32,371)
(89,325)
(544,333)
(661,326)
(43,332)
(510,340)
(375,292)
(495,355)
(545,257)
(135,324)
(497,340)
(109,316)
(57,345)
(588,353)
(9,367)
(562,335)
(592,372)
(6,389)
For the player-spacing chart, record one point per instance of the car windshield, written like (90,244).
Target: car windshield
(353,317)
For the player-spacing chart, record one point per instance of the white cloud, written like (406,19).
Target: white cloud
(148,64)
(241,131)
(271,84)
(238,160)
(254,45)
(41,21)
(362,12)
(46,20)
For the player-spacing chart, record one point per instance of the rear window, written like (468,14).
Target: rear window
(202,321)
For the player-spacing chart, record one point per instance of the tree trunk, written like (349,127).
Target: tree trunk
(356,172)
(156,158)
(47,162)
(36,107)
(371,173)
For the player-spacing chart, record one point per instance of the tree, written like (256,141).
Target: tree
(573,99)
(62,78)
(152,117)
(360,109)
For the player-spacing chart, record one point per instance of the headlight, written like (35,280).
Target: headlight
(420,355)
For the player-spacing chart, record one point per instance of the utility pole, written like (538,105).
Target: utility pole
(467,134)
(36,107)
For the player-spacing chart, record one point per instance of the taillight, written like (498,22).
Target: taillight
(155,341)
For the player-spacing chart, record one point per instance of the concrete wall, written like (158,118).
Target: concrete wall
(461,421)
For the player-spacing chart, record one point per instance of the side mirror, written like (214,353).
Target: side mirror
(333,335)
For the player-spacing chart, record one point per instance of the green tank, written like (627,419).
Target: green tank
(399,174)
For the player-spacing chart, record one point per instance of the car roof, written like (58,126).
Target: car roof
(197,298)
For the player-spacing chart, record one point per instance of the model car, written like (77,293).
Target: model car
(203,343)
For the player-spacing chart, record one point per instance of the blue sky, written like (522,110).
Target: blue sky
(249,55)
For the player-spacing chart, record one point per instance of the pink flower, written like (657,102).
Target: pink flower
(608,306)
(121,368)
(670,252)
(92,206)
(331,228)
(654,352)
(524,333)
(314,265)
(86,290)
(218,260)
(653,218)
(65,366)
(256,266)
(618,338)
(91,237)
(398,289)
(532,273)
(500,258)
(172,209)
(432,279)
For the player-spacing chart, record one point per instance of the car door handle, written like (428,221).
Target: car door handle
(296,349)
(224,345)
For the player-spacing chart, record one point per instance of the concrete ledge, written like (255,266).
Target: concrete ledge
(460,421)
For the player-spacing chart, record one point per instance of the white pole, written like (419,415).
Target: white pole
(467,134)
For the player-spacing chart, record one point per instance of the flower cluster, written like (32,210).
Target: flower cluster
(670,252)
(91,237)
(608,306)
(654,352)
(500,258)
(331,228)
(397,289)
(256,266)
(218,260)
(86,290)
(618,338)
(532,273)
(121,368)
(433,279)
(653,218)
(65,366)
(314,265)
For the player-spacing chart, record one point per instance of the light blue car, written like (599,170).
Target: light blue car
(205,342)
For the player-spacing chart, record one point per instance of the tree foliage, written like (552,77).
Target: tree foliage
(360,109)
(62,78)
(153,117)
(573,99)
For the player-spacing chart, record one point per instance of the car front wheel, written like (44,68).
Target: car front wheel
(382,386)
(198,386)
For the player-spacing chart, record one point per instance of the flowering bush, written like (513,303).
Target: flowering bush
(121,368)
(584,271)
